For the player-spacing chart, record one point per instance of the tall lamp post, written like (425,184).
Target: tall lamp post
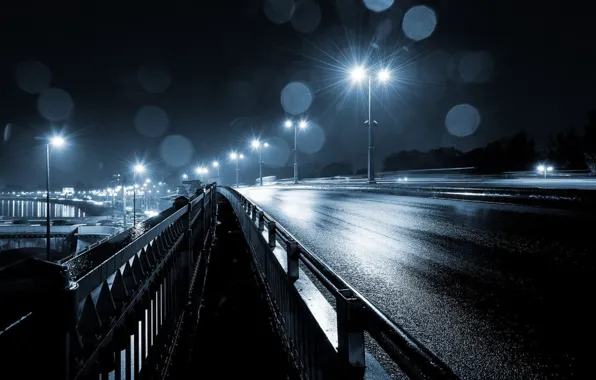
(139,168)
(359,74)
(216,165)
(236,157)
(256,144)
(302,125)
(58,142)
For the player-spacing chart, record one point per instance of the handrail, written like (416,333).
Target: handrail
(141,276)
(408,353)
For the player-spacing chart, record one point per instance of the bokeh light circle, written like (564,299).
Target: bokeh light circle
(33,77)
(279,11)
(378,5)
(311,139)
(419,22)
(176,150)
(278,153)
(296,98)
(155,78)
(151,121)
(306,17)
(54,104)
(462,120)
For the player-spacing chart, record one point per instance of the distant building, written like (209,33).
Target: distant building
(68,191)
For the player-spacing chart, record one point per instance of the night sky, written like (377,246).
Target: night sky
(176,84)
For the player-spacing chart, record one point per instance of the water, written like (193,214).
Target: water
(14,208)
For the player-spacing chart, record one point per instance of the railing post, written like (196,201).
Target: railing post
(214,205)
(254,214)
(203,221)
(189,241)
(293,255)
(350,334)
(261,218)
(272,229)
(63,322)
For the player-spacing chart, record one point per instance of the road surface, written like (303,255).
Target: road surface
(498,291)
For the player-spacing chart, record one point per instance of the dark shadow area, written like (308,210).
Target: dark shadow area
(235,338)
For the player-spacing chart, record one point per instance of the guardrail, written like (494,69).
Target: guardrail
(355,314)
(120,313)
(466,173)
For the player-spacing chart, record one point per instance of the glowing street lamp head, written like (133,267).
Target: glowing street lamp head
(303,124)
(233,156)
(384,75)
(184,176)
(139,168)
(256,144)
(57,141)
(266,145)
(288,124)
(241,156)
(215,164)
(541,168)
(358,73)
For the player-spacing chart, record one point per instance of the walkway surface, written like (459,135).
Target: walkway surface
(235,339)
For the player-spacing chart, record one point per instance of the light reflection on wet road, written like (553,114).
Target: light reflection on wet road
(498,291)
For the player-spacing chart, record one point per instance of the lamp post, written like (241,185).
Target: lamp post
(236,157)
(140,169)
(216,165)
(544,169)
(302,125)
(202,170)
(358,74)
(256,144)
(56,141)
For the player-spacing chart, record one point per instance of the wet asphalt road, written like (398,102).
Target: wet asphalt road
(497,291)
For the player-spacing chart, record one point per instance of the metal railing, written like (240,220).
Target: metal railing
(355,314)
(117,314)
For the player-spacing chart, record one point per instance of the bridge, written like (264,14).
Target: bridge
(147,302)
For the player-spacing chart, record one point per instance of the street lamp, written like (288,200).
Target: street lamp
(358,74)
(302,125)
(257,145)
(216,165)
(236,157)
(58,142)
(201,170)
(544,169)
(138,168)
(184,177)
